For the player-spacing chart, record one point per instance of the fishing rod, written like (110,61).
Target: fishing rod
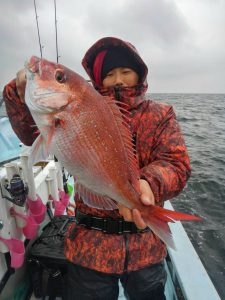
(56,35)
(39,39)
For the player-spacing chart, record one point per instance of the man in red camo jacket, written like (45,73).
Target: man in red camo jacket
(125,249)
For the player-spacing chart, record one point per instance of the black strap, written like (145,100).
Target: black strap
(107,225)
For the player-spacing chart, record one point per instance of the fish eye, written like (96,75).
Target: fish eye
(60,76)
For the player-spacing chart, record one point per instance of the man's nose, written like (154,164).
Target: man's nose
(118,80)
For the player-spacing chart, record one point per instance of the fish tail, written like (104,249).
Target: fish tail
(157,219)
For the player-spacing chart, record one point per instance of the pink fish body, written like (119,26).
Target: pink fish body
(90,136)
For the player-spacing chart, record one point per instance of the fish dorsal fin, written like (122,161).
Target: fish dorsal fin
(95,200)
(122,118)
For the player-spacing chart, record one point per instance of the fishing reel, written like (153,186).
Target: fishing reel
(17,190)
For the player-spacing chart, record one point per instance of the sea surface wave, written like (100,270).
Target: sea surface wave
(202,120)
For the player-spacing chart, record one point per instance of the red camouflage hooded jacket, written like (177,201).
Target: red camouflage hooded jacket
(163,162)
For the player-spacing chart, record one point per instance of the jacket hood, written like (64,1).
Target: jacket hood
(105,44)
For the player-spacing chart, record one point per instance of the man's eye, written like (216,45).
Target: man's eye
(126,71)
(109,74)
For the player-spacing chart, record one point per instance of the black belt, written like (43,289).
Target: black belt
(107,225)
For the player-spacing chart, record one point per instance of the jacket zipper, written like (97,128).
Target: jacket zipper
(117,93)
(125,236)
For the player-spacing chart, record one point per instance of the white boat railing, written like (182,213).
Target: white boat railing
(186,268)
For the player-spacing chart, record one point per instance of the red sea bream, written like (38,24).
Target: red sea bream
(89,134)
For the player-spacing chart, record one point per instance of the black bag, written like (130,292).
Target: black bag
(47,263)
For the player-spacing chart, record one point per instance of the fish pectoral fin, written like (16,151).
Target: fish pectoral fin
(95,200)
(38,151)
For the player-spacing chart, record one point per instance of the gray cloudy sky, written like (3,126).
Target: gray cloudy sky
(182,41)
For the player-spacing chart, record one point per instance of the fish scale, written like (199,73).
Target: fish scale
(94,155)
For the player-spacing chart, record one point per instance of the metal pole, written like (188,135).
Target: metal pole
(39,39)
(56,35)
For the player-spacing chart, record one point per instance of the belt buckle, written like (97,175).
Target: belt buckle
(112,226)
(105,225)
(120,229)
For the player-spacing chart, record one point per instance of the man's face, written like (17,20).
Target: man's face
(120,76)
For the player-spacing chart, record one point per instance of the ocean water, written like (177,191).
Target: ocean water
(202,119)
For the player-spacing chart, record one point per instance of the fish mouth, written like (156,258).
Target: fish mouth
(33,65)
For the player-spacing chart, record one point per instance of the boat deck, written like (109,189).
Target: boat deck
(186,273)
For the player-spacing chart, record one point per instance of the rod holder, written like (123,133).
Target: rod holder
(29,176)
(59,175)
(53,183)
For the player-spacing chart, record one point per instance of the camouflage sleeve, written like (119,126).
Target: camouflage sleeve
(169,169)
(19,115)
